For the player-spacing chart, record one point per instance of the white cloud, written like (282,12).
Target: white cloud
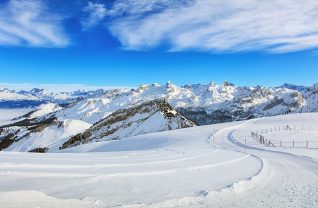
(136,7)
(277,26)
(96,13)
(29,23)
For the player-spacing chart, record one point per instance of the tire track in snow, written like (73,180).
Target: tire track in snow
(67,166)
(62,174)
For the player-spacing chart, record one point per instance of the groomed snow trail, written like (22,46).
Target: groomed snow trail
(293,180)
(286,180)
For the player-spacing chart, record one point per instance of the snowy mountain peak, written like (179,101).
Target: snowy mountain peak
(314,87)
(212,85)
(37,91)
(169,84)
(142,88)
(155,85)
(171,88)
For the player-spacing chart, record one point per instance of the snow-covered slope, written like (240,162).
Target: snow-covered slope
(48,138)
(149,117)
(43,109)
(42,131)
(7,115)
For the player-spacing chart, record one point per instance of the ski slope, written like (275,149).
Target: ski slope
(207,166)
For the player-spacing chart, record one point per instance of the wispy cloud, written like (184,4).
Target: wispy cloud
(277,26)
(29,23)
(95,14)
(137,7)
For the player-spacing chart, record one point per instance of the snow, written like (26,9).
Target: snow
(203,104)
(6,94)
(154,116)
(210,97)
(303,128)
(178,163)
(45,109)
(207,166)
(6,115)
(34,97)
(51,137)
(26,199)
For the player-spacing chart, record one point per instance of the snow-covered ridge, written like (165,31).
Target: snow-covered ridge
(35,97)
(149,117)
(41,94)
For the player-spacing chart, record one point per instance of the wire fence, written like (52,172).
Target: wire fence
(285,128)
(260,137)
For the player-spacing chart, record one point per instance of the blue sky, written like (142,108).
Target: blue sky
(129,42)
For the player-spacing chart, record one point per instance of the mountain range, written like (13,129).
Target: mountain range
(63,120)
(35,97)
